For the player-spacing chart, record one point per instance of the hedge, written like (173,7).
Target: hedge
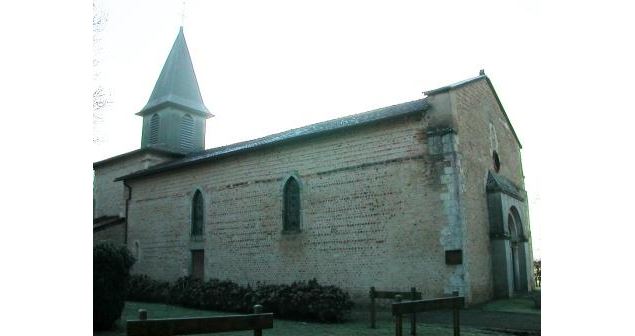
(300,300)
(111,267)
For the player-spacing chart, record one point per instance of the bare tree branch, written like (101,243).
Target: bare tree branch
(101,96)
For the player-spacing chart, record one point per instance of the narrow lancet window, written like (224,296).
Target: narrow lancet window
(197,214)
(291,215)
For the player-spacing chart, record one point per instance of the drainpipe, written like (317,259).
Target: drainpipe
(128,196)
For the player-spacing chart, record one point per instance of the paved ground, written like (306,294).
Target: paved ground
(523,324)
(516,316)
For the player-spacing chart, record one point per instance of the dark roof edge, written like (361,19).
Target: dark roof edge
(499,183)
(454,85)
(170,166)
(135,152)
(165,103)
(472,80)
(104,224)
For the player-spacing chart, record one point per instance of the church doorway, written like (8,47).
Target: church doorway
(517,252)
(198,264)
(514,252)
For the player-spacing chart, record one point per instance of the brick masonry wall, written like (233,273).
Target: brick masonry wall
(482,129)
(372,214)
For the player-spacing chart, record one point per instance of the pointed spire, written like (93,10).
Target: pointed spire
(177,83)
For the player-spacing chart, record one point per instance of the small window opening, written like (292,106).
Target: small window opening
(291,205)
(197,214)
(497,162)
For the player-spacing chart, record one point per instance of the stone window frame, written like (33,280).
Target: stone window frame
(296,177)
(194,236)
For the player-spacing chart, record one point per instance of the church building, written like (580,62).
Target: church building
(427,193)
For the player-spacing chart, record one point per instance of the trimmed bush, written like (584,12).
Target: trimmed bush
(111,269)
(300,300)
(142,288)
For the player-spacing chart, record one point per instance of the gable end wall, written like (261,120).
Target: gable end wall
(482,128)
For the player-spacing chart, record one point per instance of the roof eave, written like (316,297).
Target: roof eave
(136,151)
(158,170)
(166,103)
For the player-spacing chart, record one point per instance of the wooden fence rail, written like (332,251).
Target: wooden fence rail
(199,325)
(375,294)
(412,307)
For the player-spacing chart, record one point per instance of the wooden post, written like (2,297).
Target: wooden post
(143,314)
(398,331)
(257,310)
(455,313)
(413,316)
(372,307)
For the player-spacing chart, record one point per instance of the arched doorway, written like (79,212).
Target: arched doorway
(513,232)
(517,251)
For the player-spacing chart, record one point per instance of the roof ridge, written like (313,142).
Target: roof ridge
(295,133)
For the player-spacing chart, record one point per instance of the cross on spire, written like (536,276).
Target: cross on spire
(183,13)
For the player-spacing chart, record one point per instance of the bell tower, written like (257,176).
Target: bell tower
(174,117)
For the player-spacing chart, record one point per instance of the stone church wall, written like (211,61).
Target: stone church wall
(482,128)
(372,213)
(109,196)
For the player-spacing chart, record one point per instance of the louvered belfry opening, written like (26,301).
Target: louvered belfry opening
(291,205)
(187,133)
(154,129)
(197,214)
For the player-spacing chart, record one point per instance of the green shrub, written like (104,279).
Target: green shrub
(111,269)
(300,300)
(142,288)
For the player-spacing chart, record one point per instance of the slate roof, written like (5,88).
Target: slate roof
(385,113)
(496,182)
(177,84)
(155,150)
(105,222)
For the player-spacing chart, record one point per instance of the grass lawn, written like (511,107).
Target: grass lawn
(523,304)
(357,325)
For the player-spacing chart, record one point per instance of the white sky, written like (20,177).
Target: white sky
(268,66)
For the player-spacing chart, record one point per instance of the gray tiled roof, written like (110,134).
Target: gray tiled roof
(496,182)
(154,150)
(455,85)
(384,113)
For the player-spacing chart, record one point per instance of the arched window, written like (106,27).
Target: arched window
(291,212)
(197,214)
(154,129)
(187,133)
(137,250)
